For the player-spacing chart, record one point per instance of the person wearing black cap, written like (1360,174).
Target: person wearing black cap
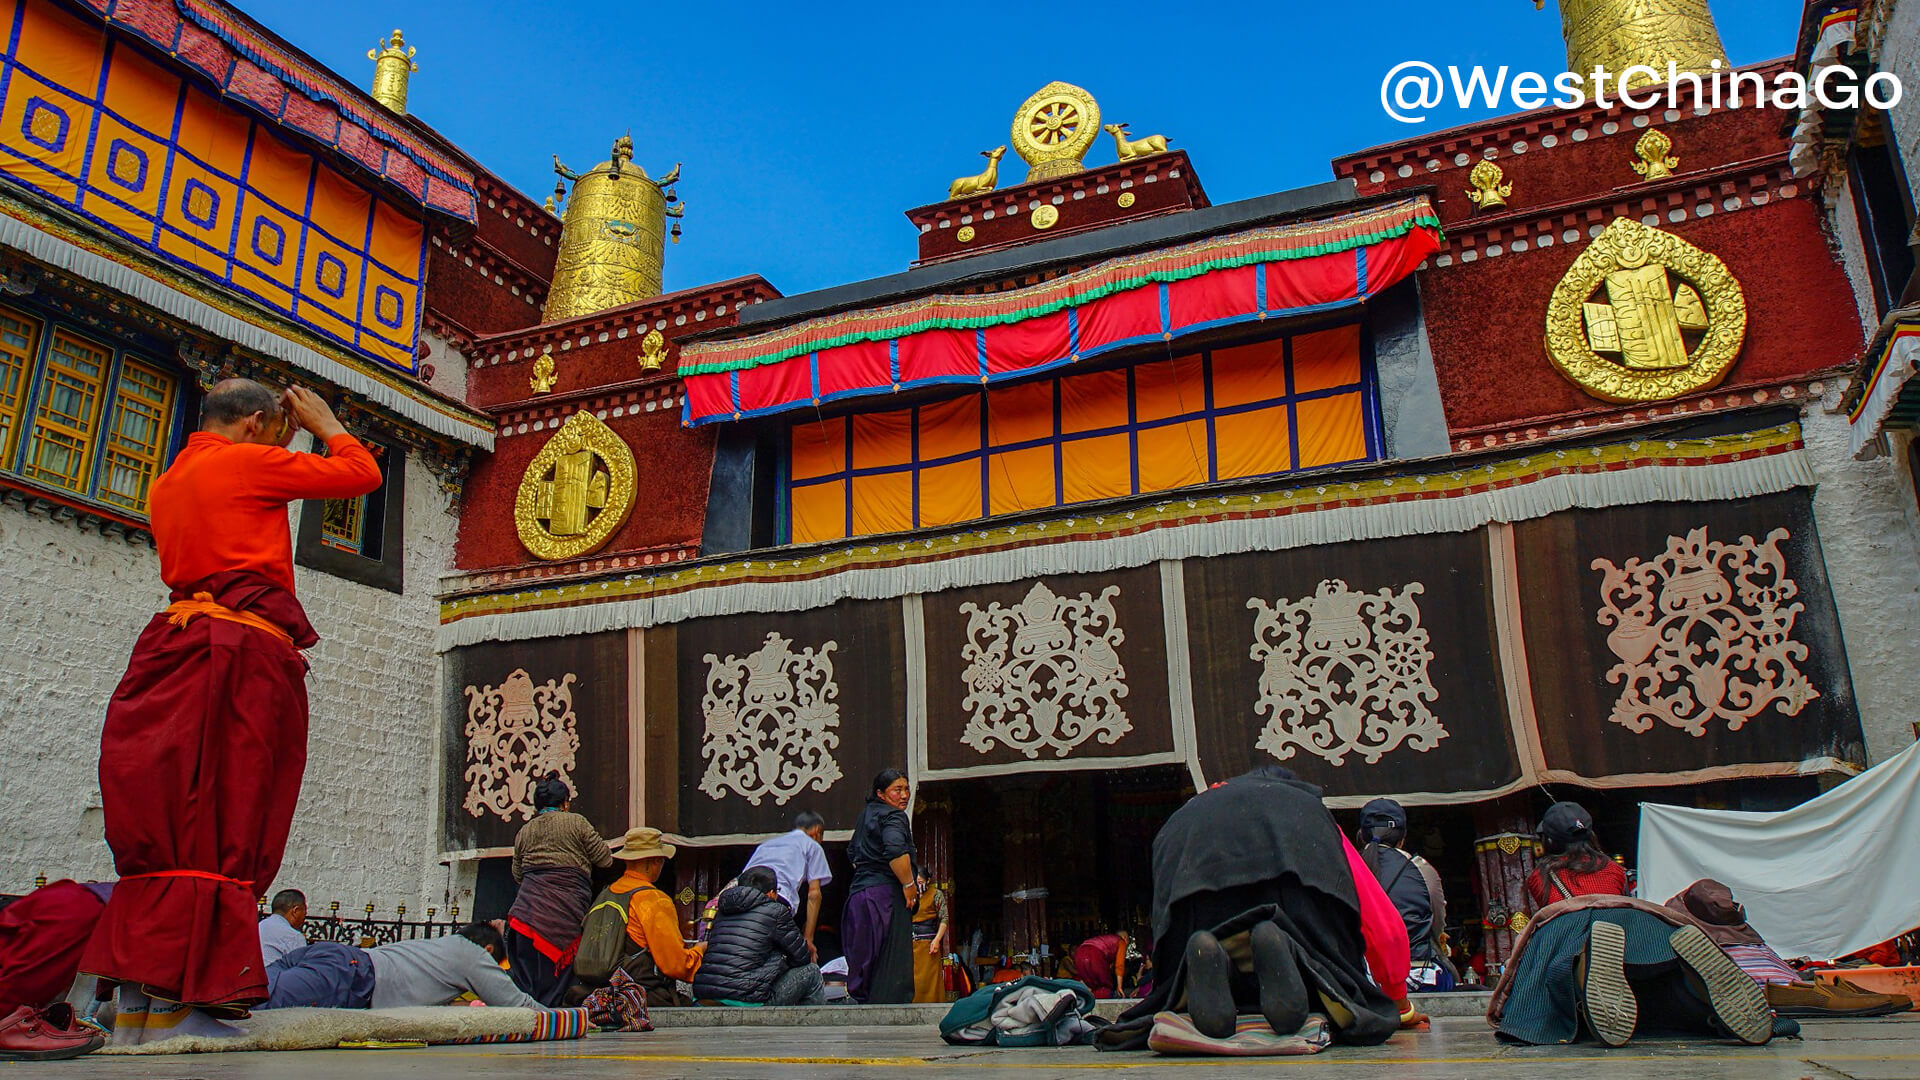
(1574,864)
(1413,885)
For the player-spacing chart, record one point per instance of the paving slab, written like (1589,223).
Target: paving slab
(1462,1004)
(1456,1049)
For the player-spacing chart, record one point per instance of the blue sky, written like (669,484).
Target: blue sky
(805,132)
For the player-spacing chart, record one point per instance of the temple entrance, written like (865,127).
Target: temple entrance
(1042,861)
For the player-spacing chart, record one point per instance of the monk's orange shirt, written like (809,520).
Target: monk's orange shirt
(222,505)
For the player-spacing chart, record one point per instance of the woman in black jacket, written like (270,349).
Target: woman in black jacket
(756,954)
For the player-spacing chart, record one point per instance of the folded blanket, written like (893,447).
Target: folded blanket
(1174,1033)
(324,1029)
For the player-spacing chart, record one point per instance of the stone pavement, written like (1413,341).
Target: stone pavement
(1457,1049)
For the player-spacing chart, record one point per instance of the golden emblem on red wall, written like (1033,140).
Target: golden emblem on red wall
(1642,315)
(577,491)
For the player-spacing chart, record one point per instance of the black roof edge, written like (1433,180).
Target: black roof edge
(1095,244)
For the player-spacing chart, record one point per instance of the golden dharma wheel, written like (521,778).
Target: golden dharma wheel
(1054,129)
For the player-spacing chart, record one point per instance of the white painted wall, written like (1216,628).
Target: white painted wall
(1864,513)
(1900,55)
(449,366)
(367,828)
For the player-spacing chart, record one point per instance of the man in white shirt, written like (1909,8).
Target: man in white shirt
(794,858)
(280,932)
(425,971)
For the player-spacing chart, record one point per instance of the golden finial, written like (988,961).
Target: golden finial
(1618,34)
(1054,129)
(653,351)
(392,63)
(613,241)
(543,375)
(1655,162)
(1133,148)
(981,182)
(1488,192)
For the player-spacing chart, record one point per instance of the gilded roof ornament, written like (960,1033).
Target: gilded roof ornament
(577,491)
(392,65)
(1488,191)
(981,182)
(1129,149)
(1618,34)
(1642,315)
(653,351)
(1054,129)
(1653,158)
(613,236)
(543,379)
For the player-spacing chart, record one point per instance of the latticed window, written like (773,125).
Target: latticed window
(78,417)
(60,449)
(137,435)
(19,340)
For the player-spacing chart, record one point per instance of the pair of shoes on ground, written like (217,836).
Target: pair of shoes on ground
(1607,1002)
(1209,974)
(28,1034)
(1836,998)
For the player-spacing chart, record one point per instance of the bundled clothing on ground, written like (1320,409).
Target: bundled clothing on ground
(1262,848)
(42,935)
(875,930)
(1028,1011)
(756,955)
(554,857)
(428,971)
(205,741)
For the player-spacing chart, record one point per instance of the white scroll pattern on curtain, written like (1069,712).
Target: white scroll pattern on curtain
(517,735)
(1704,633)
(1344,672)
(1044,674)
(770,722)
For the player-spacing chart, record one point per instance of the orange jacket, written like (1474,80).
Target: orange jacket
(222,505)
(654,925)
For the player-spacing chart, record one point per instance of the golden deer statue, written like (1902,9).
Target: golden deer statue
(981,182)
(1133,148)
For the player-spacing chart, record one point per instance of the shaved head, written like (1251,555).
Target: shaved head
(233,400)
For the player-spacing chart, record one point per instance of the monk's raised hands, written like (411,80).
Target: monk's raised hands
(310,411)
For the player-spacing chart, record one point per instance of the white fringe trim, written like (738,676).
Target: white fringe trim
(1803,149)
(1863,432)
(1532,499)
(121,279)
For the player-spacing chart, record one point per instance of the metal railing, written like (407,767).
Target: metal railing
(366,931)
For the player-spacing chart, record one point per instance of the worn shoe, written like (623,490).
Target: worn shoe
(1838,998)
(1600,981)
(1209,972)
(28,1035)
(1283,993)
(1737,1001)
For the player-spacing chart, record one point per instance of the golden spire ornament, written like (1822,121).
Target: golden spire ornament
(1488,192)
(392,65)
(1618,34)
(1654,160)
(613,236)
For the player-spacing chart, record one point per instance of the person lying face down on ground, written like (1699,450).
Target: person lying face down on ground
(756,954)
(429,971)
(1260,905)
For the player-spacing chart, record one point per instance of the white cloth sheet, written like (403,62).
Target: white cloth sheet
(1829,877)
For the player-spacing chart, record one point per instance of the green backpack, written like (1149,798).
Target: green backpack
(603,939)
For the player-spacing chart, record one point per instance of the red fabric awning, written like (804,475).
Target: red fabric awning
(1258,274)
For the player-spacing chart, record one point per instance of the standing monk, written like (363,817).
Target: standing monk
(206,736)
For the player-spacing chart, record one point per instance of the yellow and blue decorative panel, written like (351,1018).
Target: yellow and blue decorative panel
(90,123)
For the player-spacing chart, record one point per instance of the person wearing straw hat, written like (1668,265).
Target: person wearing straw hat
(661,956)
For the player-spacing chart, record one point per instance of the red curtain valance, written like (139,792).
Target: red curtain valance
(1160,296)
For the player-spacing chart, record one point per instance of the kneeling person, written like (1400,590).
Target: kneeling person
(429,971)
(756,954)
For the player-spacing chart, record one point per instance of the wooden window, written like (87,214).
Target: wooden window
(67,415)
(19,340)
(136,435)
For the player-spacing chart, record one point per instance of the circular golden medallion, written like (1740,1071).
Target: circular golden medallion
(577,491)
(1642,315)
(1054,129)
(1126,199)
(965,234)
(1045,215)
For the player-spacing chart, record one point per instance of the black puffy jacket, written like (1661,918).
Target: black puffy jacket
(753,942)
